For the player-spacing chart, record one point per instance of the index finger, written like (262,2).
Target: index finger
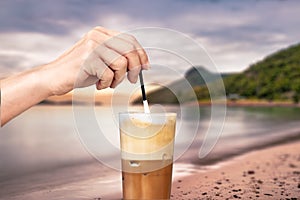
(144,60)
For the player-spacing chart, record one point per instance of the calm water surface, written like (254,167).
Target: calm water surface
(45,141)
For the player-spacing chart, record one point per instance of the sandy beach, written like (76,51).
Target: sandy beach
(272,173)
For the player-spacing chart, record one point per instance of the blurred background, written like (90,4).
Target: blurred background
(234,33)
(253,44)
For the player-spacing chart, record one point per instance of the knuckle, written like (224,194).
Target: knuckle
(109,75)
(121,62)
(91,34)
(133,55)
(88,53)
(90,44)
(130,37)
(143,56)
(97,28)
(132,47)
(120,76)
(134,70)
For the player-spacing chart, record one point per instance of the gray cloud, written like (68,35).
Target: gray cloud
(10,64)
(45,16)
(235,33)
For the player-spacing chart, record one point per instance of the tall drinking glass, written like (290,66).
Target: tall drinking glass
(147,146)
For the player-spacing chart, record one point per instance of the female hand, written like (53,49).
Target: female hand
(101,57)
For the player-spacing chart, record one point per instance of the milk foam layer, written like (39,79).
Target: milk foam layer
(152,118)
(143,140)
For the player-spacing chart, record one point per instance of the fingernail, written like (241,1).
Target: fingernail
(132,77)
(134,80)
(146,66)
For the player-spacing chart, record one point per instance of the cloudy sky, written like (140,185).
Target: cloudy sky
(234,33)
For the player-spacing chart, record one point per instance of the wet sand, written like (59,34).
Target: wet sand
(272,173)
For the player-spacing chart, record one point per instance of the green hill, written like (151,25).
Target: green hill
(183,89)
(276,77)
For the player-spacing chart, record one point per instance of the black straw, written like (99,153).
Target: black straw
(142,86)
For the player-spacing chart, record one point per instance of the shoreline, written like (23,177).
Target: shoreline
(270,173)
(238,103)
(227,156)
(247,103)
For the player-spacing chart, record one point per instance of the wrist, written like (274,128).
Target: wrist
(55,80)
(40,80)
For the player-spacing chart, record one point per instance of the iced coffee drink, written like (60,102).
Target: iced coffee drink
(147,143)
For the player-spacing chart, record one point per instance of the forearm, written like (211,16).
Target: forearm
(22,91)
